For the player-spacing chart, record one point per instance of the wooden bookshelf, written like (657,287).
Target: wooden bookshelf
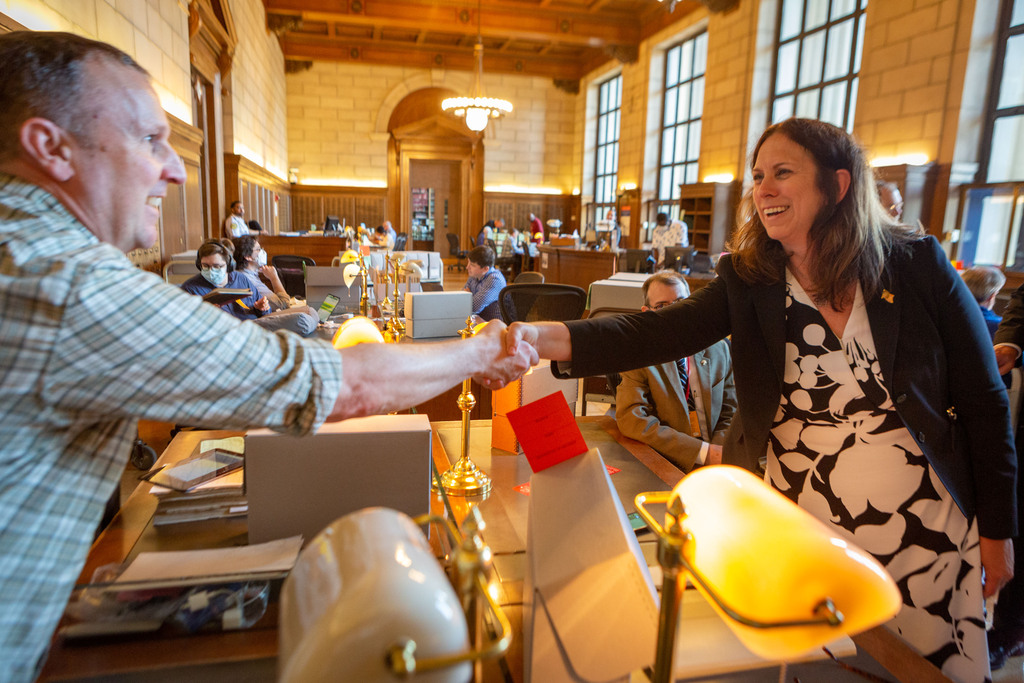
(709,211)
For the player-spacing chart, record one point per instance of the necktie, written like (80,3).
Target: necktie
(684,380)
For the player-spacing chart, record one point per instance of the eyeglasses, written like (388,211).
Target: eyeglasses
(662,304)
(207,269)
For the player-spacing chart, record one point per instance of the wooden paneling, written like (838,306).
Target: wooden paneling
(260,191)
(516,208)
(576,267)
(310,204)
(319,248)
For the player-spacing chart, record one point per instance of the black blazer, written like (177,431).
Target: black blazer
(935,352)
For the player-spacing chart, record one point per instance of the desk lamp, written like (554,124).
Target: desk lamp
(367,601)
(465,478)
(784,582)
(357,330)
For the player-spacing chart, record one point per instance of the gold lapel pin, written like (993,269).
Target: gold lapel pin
(887,295)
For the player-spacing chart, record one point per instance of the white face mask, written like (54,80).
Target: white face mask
(261,258)
(215,276)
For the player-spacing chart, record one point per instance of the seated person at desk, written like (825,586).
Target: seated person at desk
(98,343)
(485,282)
(384,236)
(217,270)
(234,224)
(684,420)
(667,234)
(490,229)
(513,243)
(251,263)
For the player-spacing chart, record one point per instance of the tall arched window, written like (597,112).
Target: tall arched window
(1004,125)
(609,104)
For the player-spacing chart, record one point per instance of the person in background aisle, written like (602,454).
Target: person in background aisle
(890,198)
(985,283)
(234,224)
(667,233)
(89,343)
(536,228)
(863,378)
(682,408)
(485,282)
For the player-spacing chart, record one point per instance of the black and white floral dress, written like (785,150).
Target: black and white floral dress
(839,450)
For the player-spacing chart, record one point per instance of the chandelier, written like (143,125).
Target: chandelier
(477,109)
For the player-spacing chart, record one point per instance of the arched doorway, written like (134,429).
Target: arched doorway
(436,163)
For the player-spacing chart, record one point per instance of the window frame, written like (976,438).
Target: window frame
(992,111)
(600,208)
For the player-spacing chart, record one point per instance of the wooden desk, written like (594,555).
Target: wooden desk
(575,266)
(318,247)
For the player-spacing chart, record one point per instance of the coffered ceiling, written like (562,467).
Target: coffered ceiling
(560,39)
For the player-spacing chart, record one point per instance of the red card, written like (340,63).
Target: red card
(547,431)
(612,470)
(523,488)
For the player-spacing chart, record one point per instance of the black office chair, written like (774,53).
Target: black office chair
(455,252)
(400,241)
(529,277)
(292,270)
(533,302)
(701,263)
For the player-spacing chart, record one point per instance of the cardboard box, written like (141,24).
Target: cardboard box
(299,485)
(537,383)
(436,314)
(625,294)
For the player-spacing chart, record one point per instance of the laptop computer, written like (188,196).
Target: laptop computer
(324,280)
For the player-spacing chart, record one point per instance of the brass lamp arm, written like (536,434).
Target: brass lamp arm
(830,616)
(401,657)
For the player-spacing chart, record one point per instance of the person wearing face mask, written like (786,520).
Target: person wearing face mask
(216,271)
(251,263)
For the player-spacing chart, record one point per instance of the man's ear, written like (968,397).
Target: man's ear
(49,147)
(843,181)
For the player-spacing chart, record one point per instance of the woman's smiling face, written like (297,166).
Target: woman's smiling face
(786,192)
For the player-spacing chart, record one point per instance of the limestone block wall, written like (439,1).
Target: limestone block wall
(255,111)
(336,137)
(153,32)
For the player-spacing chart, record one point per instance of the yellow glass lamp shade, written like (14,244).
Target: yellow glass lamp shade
(357,330)
(349,256)
(772,562)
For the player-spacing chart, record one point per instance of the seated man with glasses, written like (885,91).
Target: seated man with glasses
(681,409)
(217,271)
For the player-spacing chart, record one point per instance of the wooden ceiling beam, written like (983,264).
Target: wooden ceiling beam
(367,52)
(500,20)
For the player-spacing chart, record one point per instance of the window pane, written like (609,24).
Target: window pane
(680,151)
(807,104)
(1011,90)
(840,45)
(665,184)
(691,173)
(693,144)
(833,98)
(700,54)
(840,8)
(670,106)
(853,104)
(1006,162)
(686,60)
(614,125)
(816,15)
(791,11)
(672,67)
(600,159)
(697,109)
(782,109)
(859,47)
(668,146)
(614,158)
(678,177)
(1017,18)
(811,59)
(602,130)
(785,73)
(683,111)
(617,92)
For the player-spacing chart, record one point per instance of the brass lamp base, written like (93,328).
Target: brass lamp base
(465,479)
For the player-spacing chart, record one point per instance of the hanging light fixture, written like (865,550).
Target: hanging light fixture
(477,109)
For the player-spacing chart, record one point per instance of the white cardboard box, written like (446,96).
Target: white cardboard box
(436,314)
(299,485)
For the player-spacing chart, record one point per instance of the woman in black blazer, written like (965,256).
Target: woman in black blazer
(864,378)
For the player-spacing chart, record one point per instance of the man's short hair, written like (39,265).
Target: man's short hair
(482,256)
(661,219)
(43,77)
(983,281)
(211,247)
(245,246)
(235,203)
(669,278)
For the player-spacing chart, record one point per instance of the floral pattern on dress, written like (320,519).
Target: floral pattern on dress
(839,450)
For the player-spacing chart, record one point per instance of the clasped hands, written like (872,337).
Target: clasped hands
(508,361)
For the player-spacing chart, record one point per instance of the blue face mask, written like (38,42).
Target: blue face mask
(215,276)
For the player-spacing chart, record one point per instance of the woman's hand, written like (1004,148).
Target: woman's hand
(997,561)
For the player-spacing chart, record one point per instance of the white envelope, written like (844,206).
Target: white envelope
(590,607)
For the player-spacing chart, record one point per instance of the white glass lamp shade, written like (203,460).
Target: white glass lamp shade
(476,118)
(363,584)
(772,561)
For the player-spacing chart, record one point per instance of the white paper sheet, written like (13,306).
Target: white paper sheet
(275,556)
